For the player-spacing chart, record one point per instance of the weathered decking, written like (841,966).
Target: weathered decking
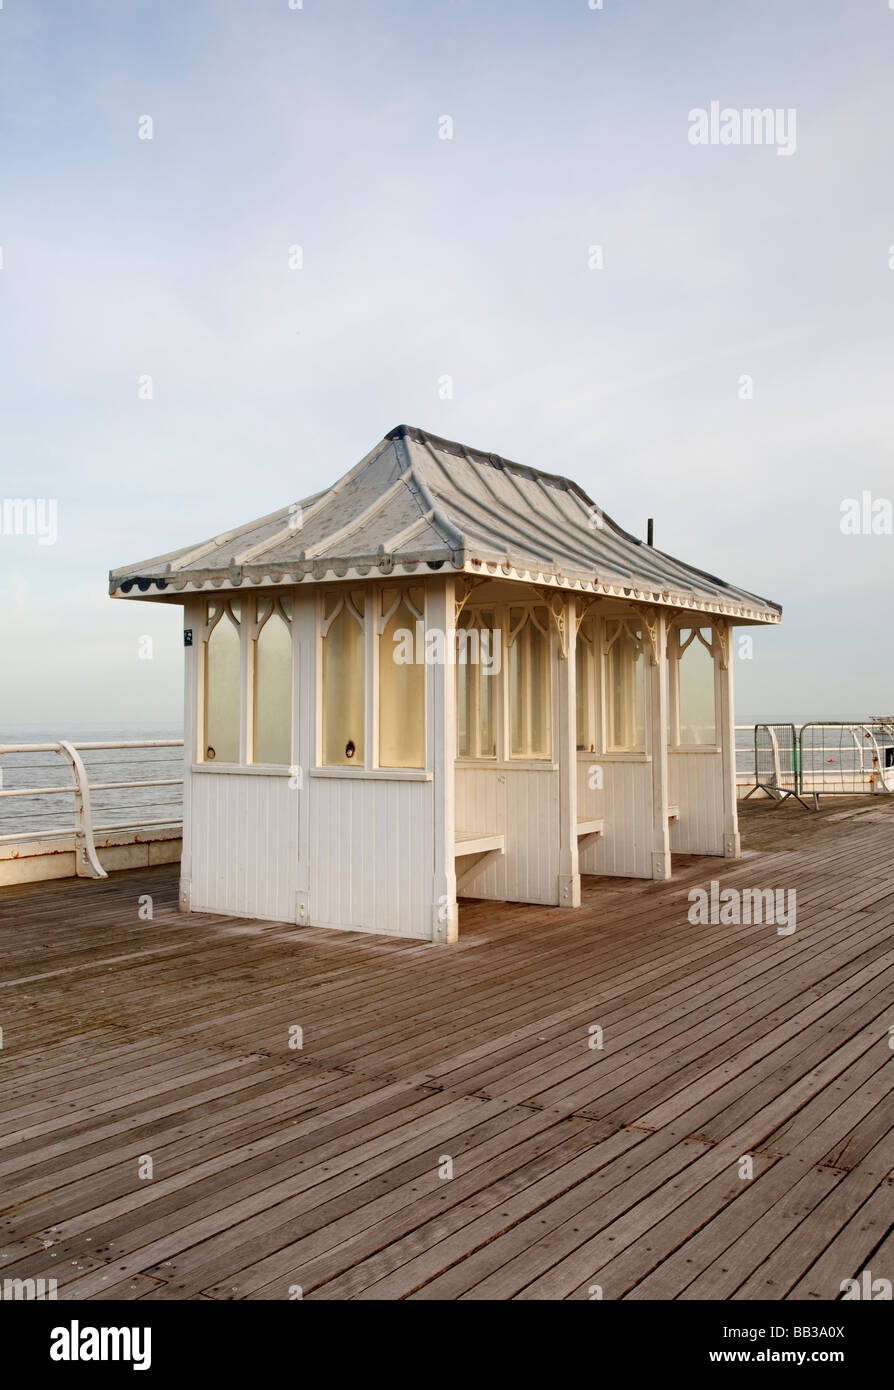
(572,1166)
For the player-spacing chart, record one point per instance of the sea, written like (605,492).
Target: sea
(126,806)
(140,805)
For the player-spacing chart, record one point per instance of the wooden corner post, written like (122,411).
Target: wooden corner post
(566,736)
(441,740)
(305,719)
(656,679)
(726,724)
(193,732)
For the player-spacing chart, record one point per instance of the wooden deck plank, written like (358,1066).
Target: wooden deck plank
(573,1166)
(777,1274)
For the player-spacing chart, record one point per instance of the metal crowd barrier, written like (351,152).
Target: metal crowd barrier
(823,758)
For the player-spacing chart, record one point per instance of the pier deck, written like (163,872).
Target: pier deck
(325,1168)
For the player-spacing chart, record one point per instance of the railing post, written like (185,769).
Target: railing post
(877,775)
(87,864)
(777,766)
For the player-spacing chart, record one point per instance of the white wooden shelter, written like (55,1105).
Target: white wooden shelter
(447,673)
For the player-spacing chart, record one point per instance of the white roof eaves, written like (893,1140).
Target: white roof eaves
(327,571)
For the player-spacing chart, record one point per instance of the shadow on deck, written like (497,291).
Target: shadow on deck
(448,1128)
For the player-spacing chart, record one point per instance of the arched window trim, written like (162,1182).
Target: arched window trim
(633,626)
(482,617)
(675,650)
(231,609)
(626,622)
(587,674)
(530,614)
(266,607)
(535,613)
(474,612)
(344,601)
(225,607)
(403,597)
(676,647)
(274,604)
(377,710)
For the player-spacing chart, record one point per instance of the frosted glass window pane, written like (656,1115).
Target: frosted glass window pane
(465,676)
(697,724)
(344,689)
(586,715)
(478,663)
(625,692)
(488,676)
(401,687)
(273,693)
(671,735)
(528,689)
(223,684)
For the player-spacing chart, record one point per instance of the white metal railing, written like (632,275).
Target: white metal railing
(744,774)
(87,864)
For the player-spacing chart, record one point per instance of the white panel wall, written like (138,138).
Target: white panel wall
(371,855)
(696,786)
(358,852)
(625,803)
(523,805)
(243,832)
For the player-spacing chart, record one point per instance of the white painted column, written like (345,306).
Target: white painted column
(441,753)
(566,751)
(193,682)
(656,676)
(247,614)
(726,725)
(304,736)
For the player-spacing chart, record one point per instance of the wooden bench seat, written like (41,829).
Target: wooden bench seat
(473,849)
(477,842)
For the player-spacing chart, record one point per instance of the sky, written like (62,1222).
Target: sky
(728,370)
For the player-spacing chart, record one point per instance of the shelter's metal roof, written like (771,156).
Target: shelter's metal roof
(418,504)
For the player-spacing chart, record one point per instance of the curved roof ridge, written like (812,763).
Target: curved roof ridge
(416,500)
